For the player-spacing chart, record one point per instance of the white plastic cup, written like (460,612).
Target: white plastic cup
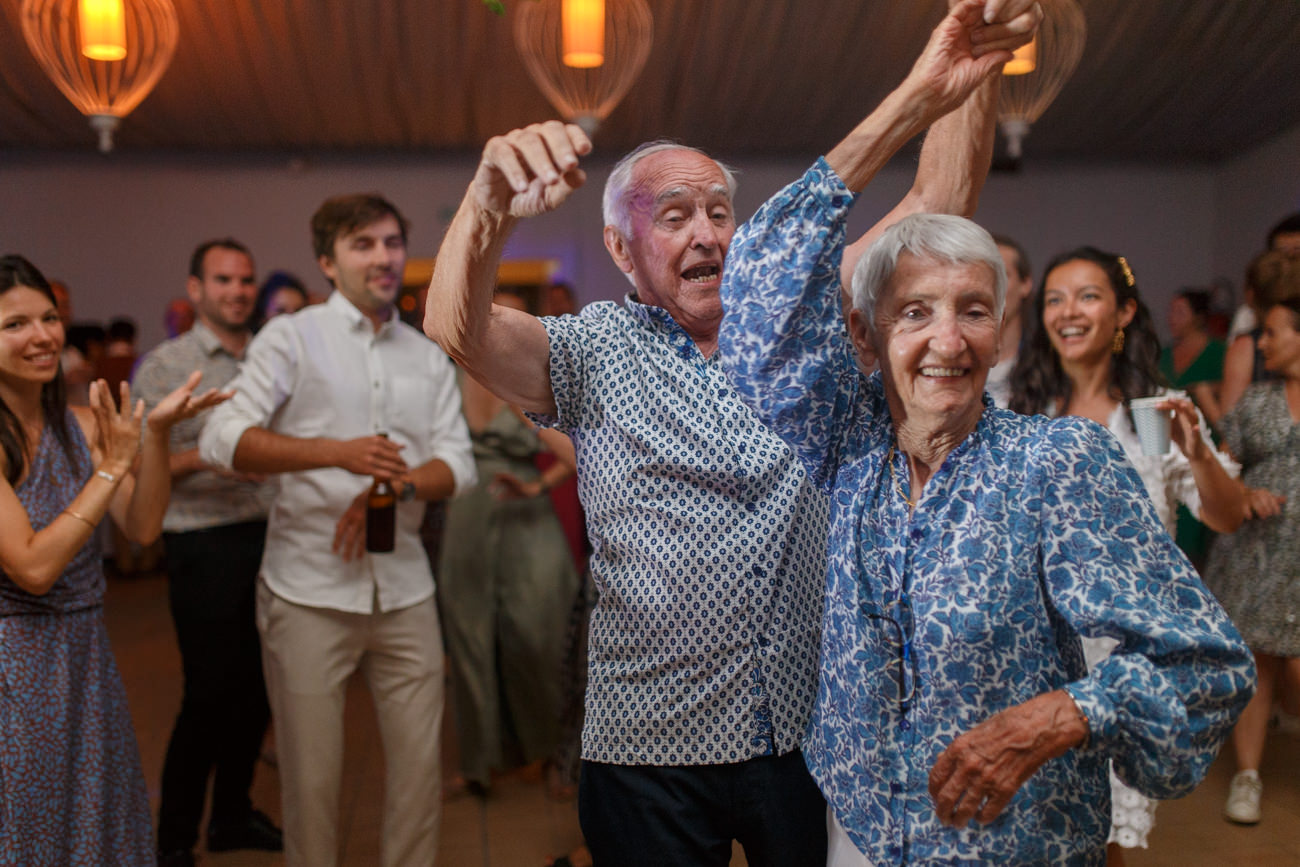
(1152,424)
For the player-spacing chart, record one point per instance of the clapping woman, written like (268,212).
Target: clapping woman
(71,789)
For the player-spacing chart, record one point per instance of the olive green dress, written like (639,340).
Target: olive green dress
(506,583)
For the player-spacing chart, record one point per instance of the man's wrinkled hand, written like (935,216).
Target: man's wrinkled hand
(964,50)
(1010,24)
(532,170)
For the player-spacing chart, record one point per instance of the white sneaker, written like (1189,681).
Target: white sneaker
(1243,798)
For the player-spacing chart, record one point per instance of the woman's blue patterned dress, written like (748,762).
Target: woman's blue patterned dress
(71,790)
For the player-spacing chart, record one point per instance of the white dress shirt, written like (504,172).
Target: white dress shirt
(325,372)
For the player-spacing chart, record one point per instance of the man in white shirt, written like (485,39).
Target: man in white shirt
(317,394)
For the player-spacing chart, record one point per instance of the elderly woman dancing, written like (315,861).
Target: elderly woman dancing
(970,550)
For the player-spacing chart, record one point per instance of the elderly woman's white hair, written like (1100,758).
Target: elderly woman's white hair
(932,237)
(614,202)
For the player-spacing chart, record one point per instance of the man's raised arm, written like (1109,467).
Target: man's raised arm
(958,149)
(524,173)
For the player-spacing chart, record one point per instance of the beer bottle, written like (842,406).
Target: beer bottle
(381,517)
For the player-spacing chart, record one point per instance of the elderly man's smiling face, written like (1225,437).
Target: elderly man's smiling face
(681,221)
(936,336)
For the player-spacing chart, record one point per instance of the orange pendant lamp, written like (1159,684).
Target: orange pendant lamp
(104,55)
(584,55)
(1038,71)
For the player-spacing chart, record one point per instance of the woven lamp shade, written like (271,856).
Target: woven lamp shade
(585,93)
(1057,49)
(103,90)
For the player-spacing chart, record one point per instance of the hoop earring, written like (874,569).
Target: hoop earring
(1117,345)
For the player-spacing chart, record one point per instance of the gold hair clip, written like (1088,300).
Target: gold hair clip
(1128,272)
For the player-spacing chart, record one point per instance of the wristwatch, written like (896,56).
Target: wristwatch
(407,492)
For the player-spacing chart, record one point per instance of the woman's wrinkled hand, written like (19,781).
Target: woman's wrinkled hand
(982,769)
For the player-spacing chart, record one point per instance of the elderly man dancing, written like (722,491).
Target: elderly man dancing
(708,539)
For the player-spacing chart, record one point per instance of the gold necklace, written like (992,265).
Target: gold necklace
(898,486)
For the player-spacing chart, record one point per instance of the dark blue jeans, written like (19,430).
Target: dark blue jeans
(687,816)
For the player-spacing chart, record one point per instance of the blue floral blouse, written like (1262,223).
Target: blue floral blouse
(1031,534)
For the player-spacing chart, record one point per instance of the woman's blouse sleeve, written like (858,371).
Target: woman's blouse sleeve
(783,341)
(1164,701)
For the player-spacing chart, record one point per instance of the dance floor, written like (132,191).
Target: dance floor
(519,826)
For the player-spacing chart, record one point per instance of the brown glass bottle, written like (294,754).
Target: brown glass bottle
(381,517)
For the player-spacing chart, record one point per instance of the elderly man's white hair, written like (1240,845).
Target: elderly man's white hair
(615,202)
(932,237)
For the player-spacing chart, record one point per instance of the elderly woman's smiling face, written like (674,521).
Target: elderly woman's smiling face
(936,336)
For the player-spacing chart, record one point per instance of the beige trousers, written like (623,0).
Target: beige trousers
(308,655)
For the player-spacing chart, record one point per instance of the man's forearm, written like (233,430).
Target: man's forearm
(506,350)
(464,277)
(433,480)
(262,451)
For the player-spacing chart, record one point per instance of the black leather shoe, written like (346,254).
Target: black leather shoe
(255,832)
(176,858)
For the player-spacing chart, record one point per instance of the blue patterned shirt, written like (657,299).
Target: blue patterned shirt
(1031,534)
(709,548)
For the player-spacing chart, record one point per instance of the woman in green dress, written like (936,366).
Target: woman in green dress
(506,584)
(1193,362)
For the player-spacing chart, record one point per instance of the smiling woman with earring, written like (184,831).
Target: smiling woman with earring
(1090,349)
(71,790)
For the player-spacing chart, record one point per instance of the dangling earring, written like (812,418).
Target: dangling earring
(1117,345)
